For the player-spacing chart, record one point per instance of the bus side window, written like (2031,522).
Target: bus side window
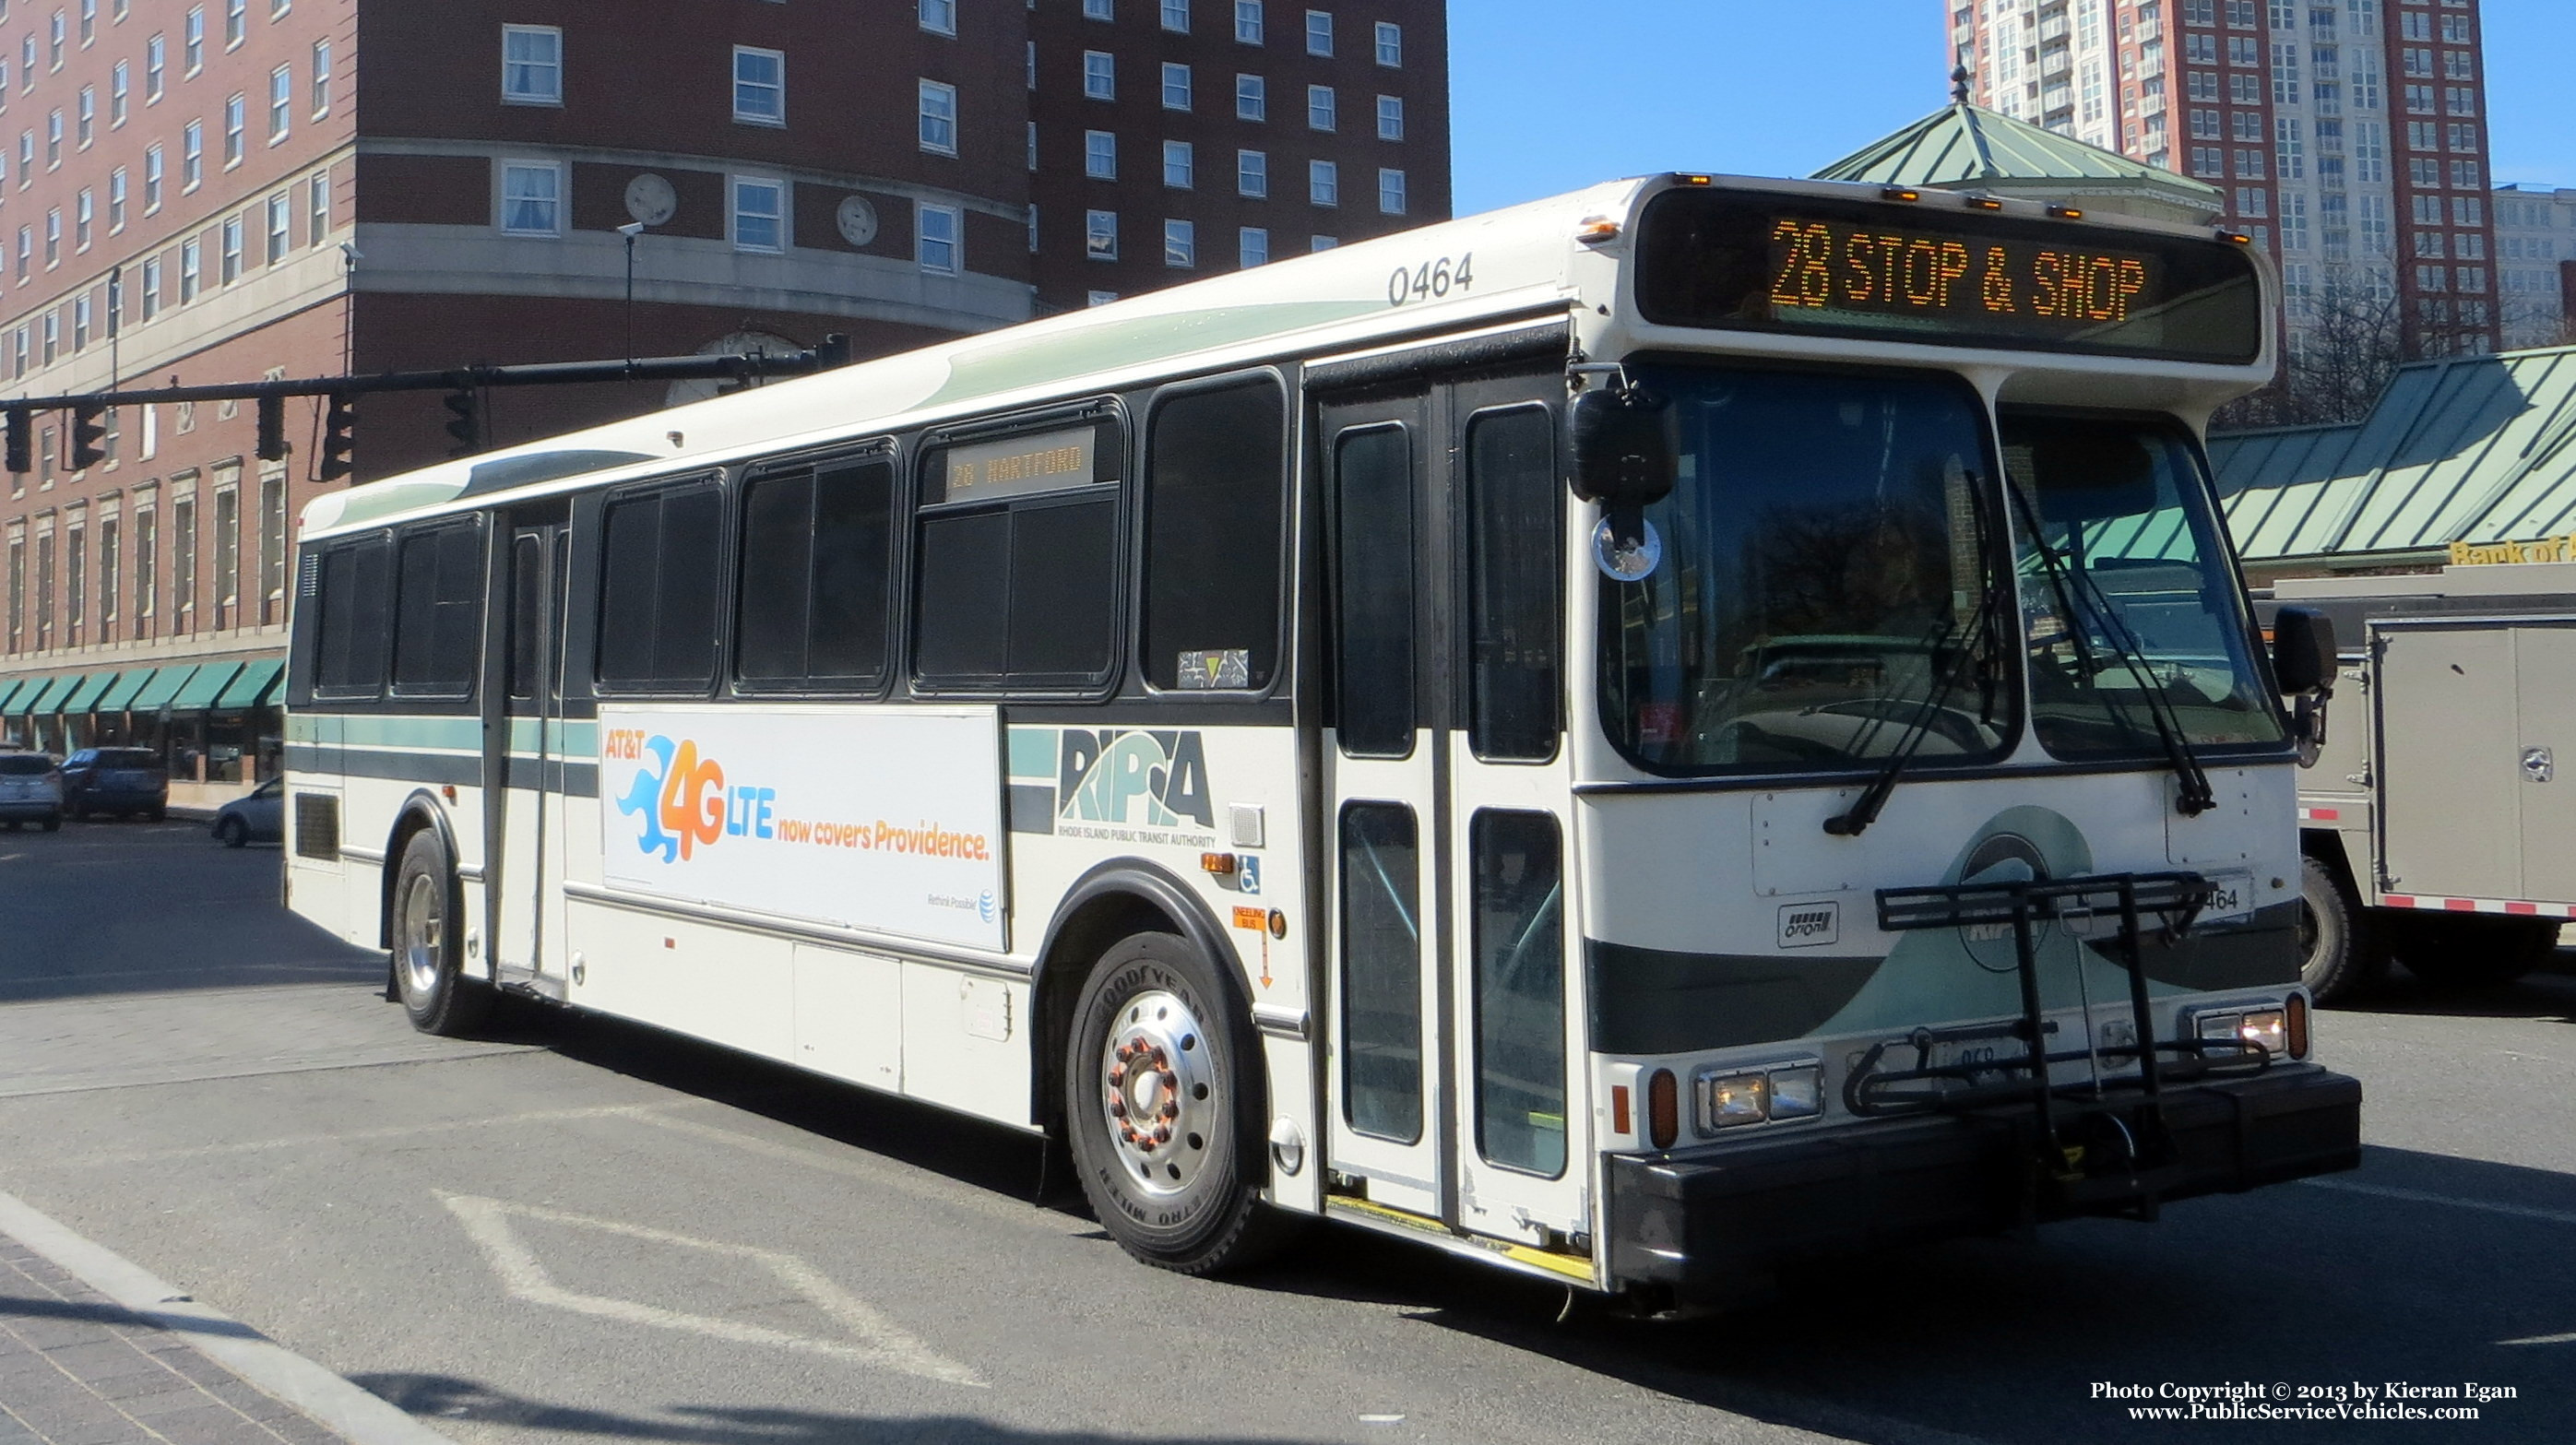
(1016,576)
(354,600)
(658,580)
(438,611)
(1516,566)
(527,616)
(1212,538)
(1373,647)
(816,551)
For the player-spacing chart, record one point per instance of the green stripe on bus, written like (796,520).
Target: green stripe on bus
(1033,753)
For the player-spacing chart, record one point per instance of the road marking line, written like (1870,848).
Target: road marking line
(390,1131)
(878,1169)
(2418,1196)
(878,1340)
(357,1415)
(2542,1340)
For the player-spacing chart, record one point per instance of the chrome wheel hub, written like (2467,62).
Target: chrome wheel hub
(424,929)
(1158,1092)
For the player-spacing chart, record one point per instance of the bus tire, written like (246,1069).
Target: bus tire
(1162,1106)
(2342,949)
(2461,953)
(428,963)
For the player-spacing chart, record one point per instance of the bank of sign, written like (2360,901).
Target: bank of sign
(887,820)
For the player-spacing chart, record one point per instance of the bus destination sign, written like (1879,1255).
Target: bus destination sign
(1829,266)
(1044,462)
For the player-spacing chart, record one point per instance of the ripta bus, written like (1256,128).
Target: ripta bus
(1641,739)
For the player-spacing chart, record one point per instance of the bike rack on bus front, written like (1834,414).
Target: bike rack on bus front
(2173,899)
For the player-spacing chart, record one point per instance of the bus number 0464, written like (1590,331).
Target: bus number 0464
(1431,280)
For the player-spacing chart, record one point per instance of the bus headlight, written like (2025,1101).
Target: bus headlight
(2269,1028)
(1729,1100)
(2218,1031)
(1798,1093)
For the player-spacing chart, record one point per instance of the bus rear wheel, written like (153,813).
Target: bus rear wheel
(1161,1109)
(428,963)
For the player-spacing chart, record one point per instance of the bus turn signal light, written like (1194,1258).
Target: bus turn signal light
(2296,1030)
(1220,865)
(1663,1109)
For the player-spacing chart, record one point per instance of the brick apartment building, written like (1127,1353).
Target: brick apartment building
(2350,136)
(221,190)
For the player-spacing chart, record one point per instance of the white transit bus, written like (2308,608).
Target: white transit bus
(1643,738)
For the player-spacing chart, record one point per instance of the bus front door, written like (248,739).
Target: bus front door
(524,878)
(1451,1021)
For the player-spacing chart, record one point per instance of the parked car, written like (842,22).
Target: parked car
(260,817)
(123,781)
(31,790)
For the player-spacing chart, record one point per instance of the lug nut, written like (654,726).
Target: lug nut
(1171,1109)
(1117,1073)
(1163,1135)
(1118,1108)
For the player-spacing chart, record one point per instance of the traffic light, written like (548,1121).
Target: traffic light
(22,455)
(464,424)
(339,439)
(272,428)
(89,435)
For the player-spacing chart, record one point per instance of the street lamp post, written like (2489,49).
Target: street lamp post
(630,231)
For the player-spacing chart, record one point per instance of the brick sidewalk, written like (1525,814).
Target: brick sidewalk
(78,1369)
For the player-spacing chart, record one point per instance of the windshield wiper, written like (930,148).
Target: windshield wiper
(2193,794)
(1984,626)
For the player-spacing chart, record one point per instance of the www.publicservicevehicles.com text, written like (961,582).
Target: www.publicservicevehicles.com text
(2281,1400)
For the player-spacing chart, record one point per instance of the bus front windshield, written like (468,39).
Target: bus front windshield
(2135,625)
(1829,552)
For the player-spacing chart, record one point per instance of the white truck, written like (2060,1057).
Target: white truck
(2434,823)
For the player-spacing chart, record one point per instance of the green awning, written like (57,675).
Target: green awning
(205,687)
(86,700)
(253,685)
(121,696)
(164,685)
(50,701)
(9,694)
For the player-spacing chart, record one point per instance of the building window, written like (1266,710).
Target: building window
(1179,164)
(321,78)
(1323,183)
(1033,228)
(759,86)
(1390,117)
(759,214)
(1097,10)
(231,255)
(939,17)
(1099,75)
(281,213)
(1100,235)
(191,271)
(1321,243)
(236,22)
(54,50)
(1099,298)
(281,98)
(193,40)
(155,54)
(116,200)
(531,198)
(1033,145)
(1251,247)
(1176,16)
(53,139)
(317,210)
(1180,244)
(935,238)
(151,179)
(151,287)
(119,81)
(54,238)
(1247,22)
(1251,98)
(89,23)
(1319,32)
(80,323)
(1176,86)
(1320,110)
(531,65)
(1390,45)
(1100,155)
(939,118)
(1252,173)
(233,113)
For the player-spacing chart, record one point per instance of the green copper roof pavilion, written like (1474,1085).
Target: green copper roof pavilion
(1962,147)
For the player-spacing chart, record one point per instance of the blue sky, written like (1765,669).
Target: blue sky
(1550,95)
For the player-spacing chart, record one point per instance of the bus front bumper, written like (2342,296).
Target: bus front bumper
(1706,1225)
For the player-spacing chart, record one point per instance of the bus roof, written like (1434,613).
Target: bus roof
(1522,262)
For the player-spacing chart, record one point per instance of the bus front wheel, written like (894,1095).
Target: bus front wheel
(1161,1108)
(428,961)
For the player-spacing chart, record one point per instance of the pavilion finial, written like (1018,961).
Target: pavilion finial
(1959,77)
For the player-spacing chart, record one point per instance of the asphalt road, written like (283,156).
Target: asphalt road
(576,1229)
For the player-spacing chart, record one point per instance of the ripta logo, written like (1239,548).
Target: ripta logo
(1156,779)
(685,805)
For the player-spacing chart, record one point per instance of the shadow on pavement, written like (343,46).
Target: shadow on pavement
(2547,996)
(444,1397)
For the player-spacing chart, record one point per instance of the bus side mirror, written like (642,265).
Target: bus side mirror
(2303,650)
(1622,455)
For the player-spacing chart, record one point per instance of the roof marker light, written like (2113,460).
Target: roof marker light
(1986,203)
(1689,178)
(1595,229)
(1900,193)
(2067,213)
(2239,237)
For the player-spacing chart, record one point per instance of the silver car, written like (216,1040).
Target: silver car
(31,791)
(261,816)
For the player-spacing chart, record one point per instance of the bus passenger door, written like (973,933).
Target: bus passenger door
(1453,1036)
(526,871)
